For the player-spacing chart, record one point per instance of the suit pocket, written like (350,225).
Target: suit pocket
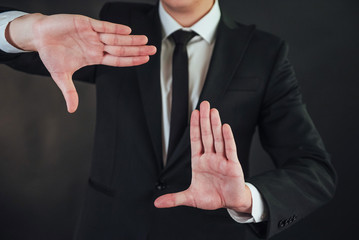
(98,205)
(244,84)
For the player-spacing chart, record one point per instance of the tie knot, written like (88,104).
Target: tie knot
(181,37)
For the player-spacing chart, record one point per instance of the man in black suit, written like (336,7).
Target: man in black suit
(147,182)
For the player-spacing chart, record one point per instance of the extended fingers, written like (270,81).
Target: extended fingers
(123,51)
(215,137)
(206,131)
(217,131)
(120,48)
(230,145)
(123,40)
(116,61)
(108,27)
(129,51)
(195,132)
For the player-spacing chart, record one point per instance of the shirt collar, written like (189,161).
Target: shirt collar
(205,27)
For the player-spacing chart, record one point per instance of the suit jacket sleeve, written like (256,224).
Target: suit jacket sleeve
(31,63)
(304,178)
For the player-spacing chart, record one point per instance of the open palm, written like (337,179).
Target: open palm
(217,176)
(67,43)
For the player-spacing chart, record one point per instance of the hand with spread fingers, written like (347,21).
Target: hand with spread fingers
(68,42)
(217,176)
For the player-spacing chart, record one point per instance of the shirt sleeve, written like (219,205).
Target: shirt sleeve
(5,19)
(259,209)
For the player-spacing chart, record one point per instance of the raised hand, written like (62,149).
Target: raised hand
(67,43)
(217,176)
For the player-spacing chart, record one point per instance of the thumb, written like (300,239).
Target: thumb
(173,200)
(67,87)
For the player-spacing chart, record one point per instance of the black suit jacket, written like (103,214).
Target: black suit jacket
(250,82)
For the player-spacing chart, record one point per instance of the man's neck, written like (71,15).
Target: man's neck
(188,15)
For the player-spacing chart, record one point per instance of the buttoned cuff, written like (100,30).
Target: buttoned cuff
(5,19)
(259,209)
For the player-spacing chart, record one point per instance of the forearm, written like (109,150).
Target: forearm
(5,18)
(10,54)
(17,31)
(304,178)
(258,210)
(20,32)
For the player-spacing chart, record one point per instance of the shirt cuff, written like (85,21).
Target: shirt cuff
(259,209)
(5,19)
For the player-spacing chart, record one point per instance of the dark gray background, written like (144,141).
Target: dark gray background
(45,152)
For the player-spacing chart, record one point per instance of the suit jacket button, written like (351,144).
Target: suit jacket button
(161,186)
(281,224)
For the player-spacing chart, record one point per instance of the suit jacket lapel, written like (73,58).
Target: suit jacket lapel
(149,78)
(231,43)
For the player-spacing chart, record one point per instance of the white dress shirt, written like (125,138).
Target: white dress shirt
(199,50)
(5,19)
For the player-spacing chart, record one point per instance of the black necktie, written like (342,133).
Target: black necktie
(179,109)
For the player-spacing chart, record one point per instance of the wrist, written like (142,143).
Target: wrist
(20,32)
(246,202)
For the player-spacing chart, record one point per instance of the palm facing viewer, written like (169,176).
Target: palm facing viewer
(67,43)
(217,176)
